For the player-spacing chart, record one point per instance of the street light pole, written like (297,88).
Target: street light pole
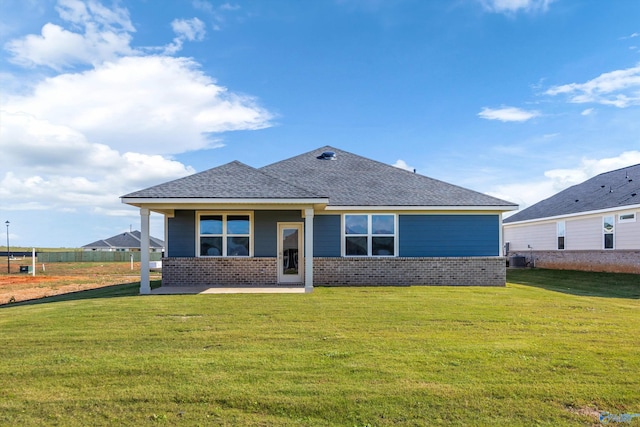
(8,255)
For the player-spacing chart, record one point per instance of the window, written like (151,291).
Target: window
(370,235)
(224,234)
(561,231)
(627,217)
(608,231)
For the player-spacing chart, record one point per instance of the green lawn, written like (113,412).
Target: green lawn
(541,353)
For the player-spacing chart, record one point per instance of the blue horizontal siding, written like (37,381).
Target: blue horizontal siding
(181,233)
(265,230)
(418,235)
(326,236)
(448,235)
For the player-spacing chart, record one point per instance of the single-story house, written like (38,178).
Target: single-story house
(327,217)
(124,242)
(591,226)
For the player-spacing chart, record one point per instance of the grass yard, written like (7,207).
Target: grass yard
(548,349)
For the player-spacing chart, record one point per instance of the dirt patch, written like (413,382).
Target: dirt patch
(16,288)
(588,412)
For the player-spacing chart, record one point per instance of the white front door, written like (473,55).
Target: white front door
(290,253)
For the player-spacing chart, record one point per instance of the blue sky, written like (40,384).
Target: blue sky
(514,98)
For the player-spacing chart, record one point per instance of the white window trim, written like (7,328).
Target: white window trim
(224,234)
(613,231)
(623,220)
(564,235)
(369,235)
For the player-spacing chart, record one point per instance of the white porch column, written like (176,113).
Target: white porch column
(500,236)
(145,285)
(308,250)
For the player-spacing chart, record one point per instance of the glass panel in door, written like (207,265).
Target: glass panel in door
(289,270)
(289,251)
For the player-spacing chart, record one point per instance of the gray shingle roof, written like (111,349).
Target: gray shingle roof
(125,240)
(608,190)
(233,180)
(352,180)
(349,180)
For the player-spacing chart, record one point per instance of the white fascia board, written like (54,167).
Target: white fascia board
(575,215)
(205,201)
(422,208)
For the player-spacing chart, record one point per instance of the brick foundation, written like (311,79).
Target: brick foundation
(219,271)
(615,261)
(484,271)
(476,271)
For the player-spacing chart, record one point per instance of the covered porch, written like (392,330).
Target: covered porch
(259,272)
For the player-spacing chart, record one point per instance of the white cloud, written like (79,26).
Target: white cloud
(513,6)
(630,36)
(217,14)
(80,139)
(620,88)
(587,112)
(508,114)
(185,29)
(190,29)
(142,104)
(403,165)
(55,167)
(229,6)
(555,180)
(103,34)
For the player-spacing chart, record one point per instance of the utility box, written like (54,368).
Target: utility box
(26,269)
(517,261)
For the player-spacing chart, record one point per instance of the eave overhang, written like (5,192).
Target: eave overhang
(424,208)
(615,209)
(168,205)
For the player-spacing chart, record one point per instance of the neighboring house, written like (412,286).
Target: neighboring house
(129,241)
(590,226)
(326,217)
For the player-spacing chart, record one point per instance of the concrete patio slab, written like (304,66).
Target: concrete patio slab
(185,290)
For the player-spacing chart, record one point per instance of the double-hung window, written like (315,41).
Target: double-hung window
(608,231)
(224,234)
(369,234)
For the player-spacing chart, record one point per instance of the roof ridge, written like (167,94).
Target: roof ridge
(134,236)
(601,191)
(268,175)
(308,190)
(615,170)
(395,168)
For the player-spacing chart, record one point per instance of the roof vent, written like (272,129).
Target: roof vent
(327,155)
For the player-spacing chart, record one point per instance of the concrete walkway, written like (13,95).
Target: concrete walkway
(178,290)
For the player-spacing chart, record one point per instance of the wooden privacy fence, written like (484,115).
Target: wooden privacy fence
(94,256)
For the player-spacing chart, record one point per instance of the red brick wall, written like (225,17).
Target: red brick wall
(218,271)
(480,271)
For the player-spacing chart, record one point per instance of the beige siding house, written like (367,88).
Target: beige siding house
(591,226)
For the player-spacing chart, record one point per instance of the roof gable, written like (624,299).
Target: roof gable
(233,180)
(609,190)
(125,240)
(352,180)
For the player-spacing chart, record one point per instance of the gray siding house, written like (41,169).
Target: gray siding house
(591,226)
(327,217)
(127,241)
